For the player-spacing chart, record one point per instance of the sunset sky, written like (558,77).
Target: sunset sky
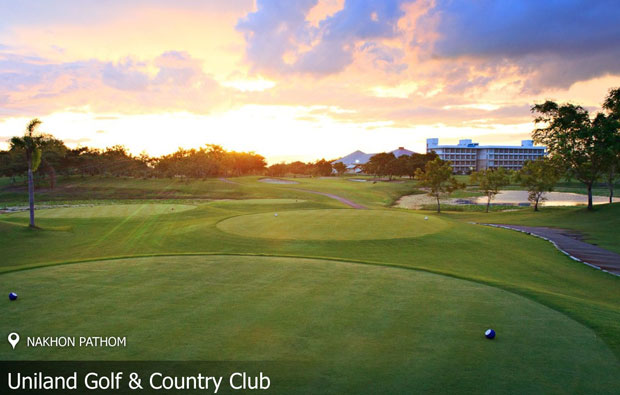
(302,79)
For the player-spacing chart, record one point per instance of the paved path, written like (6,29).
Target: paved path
(331,195)
(570,243)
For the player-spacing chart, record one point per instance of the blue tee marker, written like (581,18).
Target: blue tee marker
(12,296)
(490,333)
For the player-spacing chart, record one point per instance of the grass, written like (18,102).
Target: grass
(389,277)
(332,225)
(116,210)
(401,326)
(111,188)
(598,226)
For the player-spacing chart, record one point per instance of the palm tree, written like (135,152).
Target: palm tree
(31,145)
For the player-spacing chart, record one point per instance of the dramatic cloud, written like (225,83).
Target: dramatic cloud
(405,69)
(514,28)
(174,81)
(556,42)
(280,39)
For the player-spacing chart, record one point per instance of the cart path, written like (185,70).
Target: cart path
(571,243)
(336,197)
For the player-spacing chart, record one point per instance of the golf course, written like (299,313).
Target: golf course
(380,299)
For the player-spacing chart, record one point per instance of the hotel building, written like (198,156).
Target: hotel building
(468,156)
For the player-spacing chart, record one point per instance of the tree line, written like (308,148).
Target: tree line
(116,161)
(386,164)
(56,158)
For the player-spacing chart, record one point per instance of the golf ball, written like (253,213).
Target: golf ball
(425,218)
(490,333)
(12,296)
(275,215)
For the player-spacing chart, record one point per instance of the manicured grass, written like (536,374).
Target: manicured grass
(378,239)
(333,225)
(377,194)
(400,328)
(112,210)
(599,226)
(259,202)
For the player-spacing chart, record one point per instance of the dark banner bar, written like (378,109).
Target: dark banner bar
(153,377)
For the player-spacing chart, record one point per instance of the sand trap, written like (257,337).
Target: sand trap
(277,181)
(420,200)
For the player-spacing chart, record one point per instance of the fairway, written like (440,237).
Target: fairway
(409,328)
(109,210)
(257,202)
(338,224)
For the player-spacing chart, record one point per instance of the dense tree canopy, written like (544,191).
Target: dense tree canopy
(208,161)
(610,123)
(386,164)
(573,139)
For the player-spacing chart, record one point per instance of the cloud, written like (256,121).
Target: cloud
(87,12)
(125,75)
(177,68)
(173,81)
(384,57)
(555,42)
(521,27)
(275,28)
(280,39)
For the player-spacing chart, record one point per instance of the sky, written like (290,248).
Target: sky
(299,79)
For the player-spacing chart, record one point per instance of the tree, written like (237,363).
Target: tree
(538,177)
(437,177)
(611,128)
(405,165)
(322,168)
(340,168)
(383,164)
(30,144)
(53,152)
(490,181)
(571,138)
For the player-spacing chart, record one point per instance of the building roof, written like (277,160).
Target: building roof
(359,158)
(355,158)
(485,146)
(434,143)
(402,151)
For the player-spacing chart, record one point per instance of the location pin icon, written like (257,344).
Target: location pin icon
(13,339)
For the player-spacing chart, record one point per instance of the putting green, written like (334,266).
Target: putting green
(378,329)
(110,210)
(339,224)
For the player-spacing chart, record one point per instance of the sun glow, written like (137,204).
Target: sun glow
(285,81)
(248,85)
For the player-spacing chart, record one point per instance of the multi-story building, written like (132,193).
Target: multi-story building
(468,156)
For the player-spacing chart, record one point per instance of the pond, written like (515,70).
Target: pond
(552,199)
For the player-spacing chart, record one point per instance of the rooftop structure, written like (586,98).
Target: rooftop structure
(402,151)
(354,160)
(468,156)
